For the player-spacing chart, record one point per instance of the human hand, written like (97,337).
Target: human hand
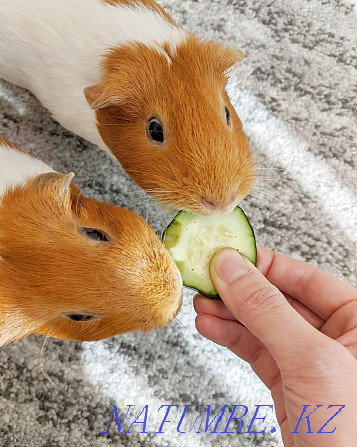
(297,327)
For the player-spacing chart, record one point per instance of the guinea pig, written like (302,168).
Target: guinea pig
(72,267)
(123,75)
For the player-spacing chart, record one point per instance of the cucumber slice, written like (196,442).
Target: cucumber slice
(192,240)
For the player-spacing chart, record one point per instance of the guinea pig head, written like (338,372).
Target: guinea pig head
(74,268)
(165,115)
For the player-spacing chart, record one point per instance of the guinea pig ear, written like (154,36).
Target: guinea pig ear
(57,185)
(98,98)
(229,57)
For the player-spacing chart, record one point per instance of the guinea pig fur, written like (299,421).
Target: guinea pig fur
(123,75)
(72,267)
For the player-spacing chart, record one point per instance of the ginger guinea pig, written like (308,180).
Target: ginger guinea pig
(125,76)
(72,267)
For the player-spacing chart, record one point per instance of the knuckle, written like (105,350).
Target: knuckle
(350,315)
(235,342)
(256,355)
(265,298)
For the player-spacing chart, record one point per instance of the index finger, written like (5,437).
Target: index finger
(319,291)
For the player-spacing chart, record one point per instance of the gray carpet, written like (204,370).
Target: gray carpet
(296,95)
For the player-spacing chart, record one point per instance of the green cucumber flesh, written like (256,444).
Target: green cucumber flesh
(192,240)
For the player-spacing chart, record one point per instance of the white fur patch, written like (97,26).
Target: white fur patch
(54,48)
(17,167)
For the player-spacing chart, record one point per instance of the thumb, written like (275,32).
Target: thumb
(262,308)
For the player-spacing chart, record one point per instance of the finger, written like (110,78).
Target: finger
(241,342)
(342,321)
(320,292)
(348,340)
(217,308)
(261,307)
(342,326)
(224,333)
(305,312)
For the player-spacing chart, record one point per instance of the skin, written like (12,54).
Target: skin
(297,327)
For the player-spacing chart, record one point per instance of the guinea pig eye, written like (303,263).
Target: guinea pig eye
(96,235)
(155,130)
(80,317)
(228,115)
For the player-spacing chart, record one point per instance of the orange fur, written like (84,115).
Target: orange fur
(149,3)
(47,267)
(7,143)
(202,157)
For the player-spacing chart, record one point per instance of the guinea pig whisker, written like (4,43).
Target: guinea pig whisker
(139,205)
(265,194)
(158,191)
(155,194)
(250,177)
(42,360)
(138,200)
(167,203)
(166,208)
(269,168)
(163,194)
(255,196)
(276,178)
(137,192)
(136,196)
(147,213)
(179,321)
(42,363)
(143,203)
(164,341)
(164,200)
(141,358)
(259,190)
(264,160)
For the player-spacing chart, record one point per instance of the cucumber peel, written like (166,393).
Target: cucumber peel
(192,240)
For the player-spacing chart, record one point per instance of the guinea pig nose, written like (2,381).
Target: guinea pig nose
(208,203)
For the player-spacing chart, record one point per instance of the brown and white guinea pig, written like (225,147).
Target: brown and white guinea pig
(123,75)
(72,267)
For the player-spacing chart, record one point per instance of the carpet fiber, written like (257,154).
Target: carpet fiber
(296,94)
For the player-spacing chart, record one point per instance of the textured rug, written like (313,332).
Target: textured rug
(296,95)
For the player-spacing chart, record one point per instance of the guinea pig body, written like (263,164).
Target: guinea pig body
(123,75)
(72,267)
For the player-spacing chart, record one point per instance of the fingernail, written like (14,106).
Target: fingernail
(229,265)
